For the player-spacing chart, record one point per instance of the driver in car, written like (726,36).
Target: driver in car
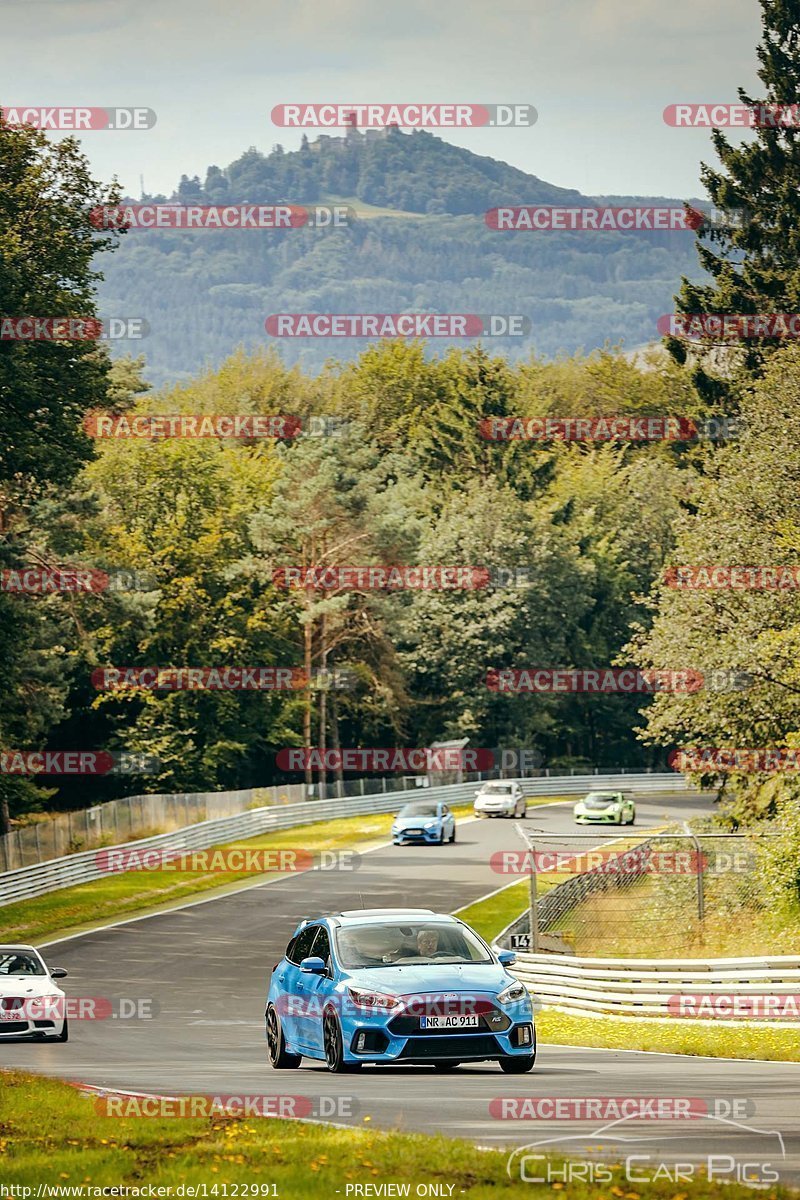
(427,943)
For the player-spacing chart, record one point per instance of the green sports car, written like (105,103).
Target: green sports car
(610,808)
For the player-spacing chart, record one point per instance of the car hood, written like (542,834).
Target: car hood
(450,977)
(28,985)
(414,822)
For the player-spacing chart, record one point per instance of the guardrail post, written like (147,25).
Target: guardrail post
(534,902)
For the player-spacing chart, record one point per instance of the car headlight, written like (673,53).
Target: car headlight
(364,998)
(514,991)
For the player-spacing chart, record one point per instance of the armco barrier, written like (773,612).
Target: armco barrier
(643,987)
(64,872)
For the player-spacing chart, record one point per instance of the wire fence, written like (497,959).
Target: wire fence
(690,892)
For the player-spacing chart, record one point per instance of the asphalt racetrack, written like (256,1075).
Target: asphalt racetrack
(207,967)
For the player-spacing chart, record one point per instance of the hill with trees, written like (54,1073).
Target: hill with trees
(419,242)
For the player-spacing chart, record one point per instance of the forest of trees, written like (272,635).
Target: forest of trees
(403,477)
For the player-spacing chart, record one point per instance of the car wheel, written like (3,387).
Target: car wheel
(453,834)
(64,1035)
(446,1066)
(332,1042)
(279,1056)
(633,817)
(519,1065)
(441,837)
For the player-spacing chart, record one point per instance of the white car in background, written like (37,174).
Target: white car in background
(31,1005)
(500,798)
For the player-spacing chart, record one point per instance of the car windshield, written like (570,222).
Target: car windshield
(420,808)
(415,943)
(497,789)
(600,799)
(17,962)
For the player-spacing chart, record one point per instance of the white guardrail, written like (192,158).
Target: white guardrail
(648,987)
(86,865)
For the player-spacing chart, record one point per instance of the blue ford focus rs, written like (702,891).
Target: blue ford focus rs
(396,986)
(424,821)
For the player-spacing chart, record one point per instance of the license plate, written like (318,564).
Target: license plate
(457,1021)
(414,831)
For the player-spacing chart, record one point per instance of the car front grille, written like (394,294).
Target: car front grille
(490,1017)
(479,1045)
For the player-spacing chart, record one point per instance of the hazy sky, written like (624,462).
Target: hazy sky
(600,72)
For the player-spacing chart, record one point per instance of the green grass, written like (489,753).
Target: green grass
(657,918)
(490,917)
(716,1039)
(130,892)
(50,1133)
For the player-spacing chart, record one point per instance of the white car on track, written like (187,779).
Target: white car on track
(500,798)
(31,1005)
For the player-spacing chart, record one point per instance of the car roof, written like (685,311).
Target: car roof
(6,946)
(363,916)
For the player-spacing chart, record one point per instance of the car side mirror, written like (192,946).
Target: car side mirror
(506,958)
(313,966)
(58,973)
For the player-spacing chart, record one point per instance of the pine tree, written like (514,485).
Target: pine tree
(754,262)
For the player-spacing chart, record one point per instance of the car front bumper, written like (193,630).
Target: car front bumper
(507,1031)
(422,836)
(30,1030)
